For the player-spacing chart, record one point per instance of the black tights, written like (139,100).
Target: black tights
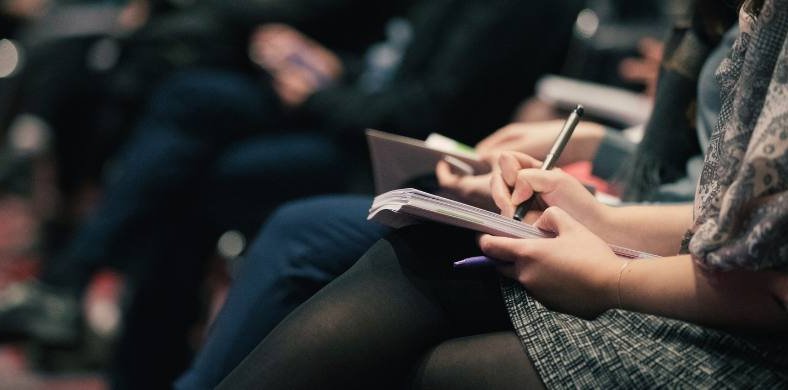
(399,318)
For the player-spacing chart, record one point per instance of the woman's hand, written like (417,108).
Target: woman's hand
(471,189)
(536,138)
(516,177)
(575,272)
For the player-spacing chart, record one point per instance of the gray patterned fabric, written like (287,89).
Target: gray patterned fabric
(741,204)
(742,217)
(622,349)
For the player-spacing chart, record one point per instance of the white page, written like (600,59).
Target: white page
(403,207)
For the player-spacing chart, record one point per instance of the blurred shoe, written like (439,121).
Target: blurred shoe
(36,312)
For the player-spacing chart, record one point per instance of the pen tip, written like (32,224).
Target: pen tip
(580,110)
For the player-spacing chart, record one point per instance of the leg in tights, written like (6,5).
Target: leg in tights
(379,323)
(301,248)
(486,361)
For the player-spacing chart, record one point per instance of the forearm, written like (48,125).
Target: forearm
(657,229)
(676,287)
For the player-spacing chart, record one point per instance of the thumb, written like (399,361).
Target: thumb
(556,220)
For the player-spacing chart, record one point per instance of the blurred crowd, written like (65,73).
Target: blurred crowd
(153,138)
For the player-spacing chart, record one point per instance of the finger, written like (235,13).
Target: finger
(501,195)
(302,79)
(490,157)
(292,89)
(536,180)
(508,270)
(651,49)
(509,163)
(523,190)
(636,70)
(446,178)
(507,249)
(556,220)
(286,95)
(504,134)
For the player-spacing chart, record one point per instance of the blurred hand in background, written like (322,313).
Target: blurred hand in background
(24,9)
(644,69)
(298,65)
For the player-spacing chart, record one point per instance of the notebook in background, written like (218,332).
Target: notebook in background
(396,160)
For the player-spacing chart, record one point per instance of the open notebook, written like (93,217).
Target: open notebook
(397,160)
(404,207)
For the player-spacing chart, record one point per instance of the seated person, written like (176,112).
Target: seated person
(569,312)
(306,244)
(222,148)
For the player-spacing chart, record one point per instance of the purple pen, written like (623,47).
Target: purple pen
(475,262)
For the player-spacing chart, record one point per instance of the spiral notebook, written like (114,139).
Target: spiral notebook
(407,206)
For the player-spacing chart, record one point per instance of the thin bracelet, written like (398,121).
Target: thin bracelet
(620,274)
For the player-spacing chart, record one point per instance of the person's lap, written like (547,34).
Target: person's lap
(391,318)
(167,280)
(302,247)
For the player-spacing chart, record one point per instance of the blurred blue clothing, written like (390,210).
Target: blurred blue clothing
(204,133)
(309,243)
(302,247)
(210,153)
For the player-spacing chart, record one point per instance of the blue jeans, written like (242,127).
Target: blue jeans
(211,140)
(213,151)
(302,247)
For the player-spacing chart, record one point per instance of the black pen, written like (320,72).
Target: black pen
(552,156)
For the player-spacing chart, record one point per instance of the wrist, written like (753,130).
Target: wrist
(599,219)
(611,288)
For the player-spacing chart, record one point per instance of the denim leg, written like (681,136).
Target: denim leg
(190,121)
(304,246)
(260,173)
(164,302)
(239,189)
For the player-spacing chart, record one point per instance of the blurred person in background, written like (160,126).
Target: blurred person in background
(306,244)
(466,67)
(84,70)
(401,315)
(82,91)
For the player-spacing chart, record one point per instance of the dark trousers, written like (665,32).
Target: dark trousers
(303,246)
(213,151)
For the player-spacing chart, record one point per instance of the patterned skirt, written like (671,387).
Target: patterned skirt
(633,350)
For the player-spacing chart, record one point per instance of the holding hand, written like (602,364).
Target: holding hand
(516,177)
(536,138)
(470,189)
(576,272)
(299,65)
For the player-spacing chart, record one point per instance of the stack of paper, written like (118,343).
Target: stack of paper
(404,207)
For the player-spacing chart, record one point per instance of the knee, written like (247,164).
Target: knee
(289,240)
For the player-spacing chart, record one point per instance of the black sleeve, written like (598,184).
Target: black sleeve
(338,24)
(485,63)
(252,12)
